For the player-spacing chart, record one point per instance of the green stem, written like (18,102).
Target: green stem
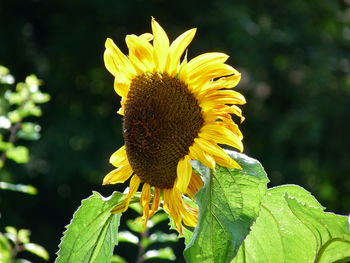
(142,248)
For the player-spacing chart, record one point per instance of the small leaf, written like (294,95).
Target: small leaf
(5,146)
(126,236)
(23,235)
(29,131)
(162,253)
(229,203)
(28,189)
(19,154)
(39,97)
(118,259)
(162,237)
(159,217)
(11,230)
(36,250)
(134,225)
(21,260)
(14,116)
(136,207)
(93,231)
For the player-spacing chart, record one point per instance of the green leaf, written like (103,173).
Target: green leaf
(162,253)
(23,235)
(292,227)
(162,237)
(36,250)
(135,225)
(5,76)
(29,131)
(19,154)
(28,189)
(5,146)
(127,236)
(118,259)
(5,249)
(159,217)
(11,233)
(229,203)
(39,97)
(21,260)
(93,231)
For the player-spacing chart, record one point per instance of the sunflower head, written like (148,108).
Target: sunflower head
(174,111)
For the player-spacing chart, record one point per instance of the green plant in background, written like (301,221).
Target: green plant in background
(14,241)
(15,107)
(145,238)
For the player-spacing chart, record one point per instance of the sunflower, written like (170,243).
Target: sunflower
(174,111)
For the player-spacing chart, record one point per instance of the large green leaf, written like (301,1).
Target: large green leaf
(292,227)
(229,203)
(92,233)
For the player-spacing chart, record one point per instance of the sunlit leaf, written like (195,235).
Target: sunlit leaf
(23,235)
(292,227)
(29,131)
(118,259)
(134,225)
(126,236)
(162,237)
(162,253)
(28,189)
(229,203)
(159,217)
(39,97)
(93,231)
(11,233)
(36,250)
(21,260)
(19,154)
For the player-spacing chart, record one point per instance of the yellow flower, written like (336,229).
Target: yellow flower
(174,111)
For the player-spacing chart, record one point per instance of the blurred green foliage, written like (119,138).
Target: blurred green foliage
(15,106)
(294,59)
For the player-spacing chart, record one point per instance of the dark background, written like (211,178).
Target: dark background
(293,56)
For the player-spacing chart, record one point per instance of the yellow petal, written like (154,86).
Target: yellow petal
(170,206)
(145,200)
(227,162)
(121,87)
(202,60)
(221,135)
(222,83)
(196,153)
(122,63)
(141,51)
(155,202)
(147,36)
(206,73)
(195,184)
(123,205)
(161,45)
(118,157)
(215,150)
(176,50)
(119,175)
(184,172)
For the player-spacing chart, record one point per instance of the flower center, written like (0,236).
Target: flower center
(162,119)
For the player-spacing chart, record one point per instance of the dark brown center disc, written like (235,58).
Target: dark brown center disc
(162,119)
